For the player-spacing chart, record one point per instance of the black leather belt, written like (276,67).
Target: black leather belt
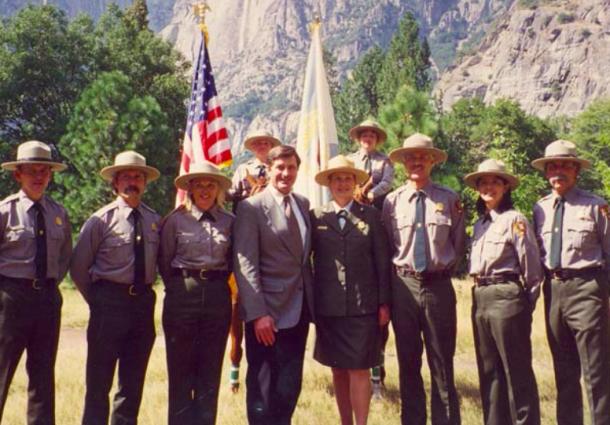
(565,274)
(36,284)
(496,279)
(203,274)
(130,289)
(425,275)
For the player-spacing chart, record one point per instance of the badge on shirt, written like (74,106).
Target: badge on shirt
(59,221)
(154,227)
(519,228)
(604,210)
(439,207)
(361,226)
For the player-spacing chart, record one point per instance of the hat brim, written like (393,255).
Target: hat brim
(108,173)
(472,178)
(323,177)
(354,133)
(55,166)
(248,142)
(182,182)
(541,162)
(397,155)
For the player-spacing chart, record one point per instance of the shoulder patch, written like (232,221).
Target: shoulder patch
(519,228)
(459,207)
(604,210)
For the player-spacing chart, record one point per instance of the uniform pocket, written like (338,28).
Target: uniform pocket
(580,233)
(439,229)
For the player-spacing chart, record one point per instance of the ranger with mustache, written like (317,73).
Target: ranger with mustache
(114,266)
(573,232)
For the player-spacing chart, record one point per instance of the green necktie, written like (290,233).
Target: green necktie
(555,254)
(419,253)
(139,251)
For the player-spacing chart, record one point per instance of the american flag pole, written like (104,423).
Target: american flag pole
(205,137)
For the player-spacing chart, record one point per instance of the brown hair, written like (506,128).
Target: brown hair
(283,152)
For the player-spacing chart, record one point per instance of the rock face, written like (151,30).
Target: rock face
(551,57)
(258,48)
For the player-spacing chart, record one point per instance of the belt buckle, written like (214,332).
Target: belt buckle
(557,275)
(132,290)
(202,273)
(418,275)
(35,284)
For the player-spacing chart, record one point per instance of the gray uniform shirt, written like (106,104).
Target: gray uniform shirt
(444,221)
(240,187)
(382,170)
(187,243)
(507,244)
(586,230)
(18,240)
(105,246)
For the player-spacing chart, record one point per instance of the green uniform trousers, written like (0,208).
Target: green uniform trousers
(502,324)
(29,321)
(196,320)
(423,313)
(576,312)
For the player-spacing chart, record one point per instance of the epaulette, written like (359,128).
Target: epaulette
(9,199)
(225,212)
(443,188)
(149,209)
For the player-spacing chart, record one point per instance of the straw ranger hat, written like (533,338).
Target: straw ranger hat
(341,164)
(260,135)
(34,152)
(130,160)
(371,125)
(204,169)
(418,142)
(491,167)
(557,151)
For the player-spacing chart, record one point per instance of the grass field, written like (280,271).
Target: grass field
(316,404)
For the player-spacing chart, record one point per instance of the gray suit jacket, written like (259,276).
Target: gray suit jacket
(351,265)
(272,279)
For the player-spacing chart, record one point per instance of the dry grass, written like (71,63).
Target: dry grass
(316,404)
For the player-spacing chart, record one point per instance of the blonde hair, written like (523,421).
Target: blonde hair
(220,197)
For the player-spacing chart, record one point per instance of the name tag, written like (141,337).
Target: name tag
(322,227)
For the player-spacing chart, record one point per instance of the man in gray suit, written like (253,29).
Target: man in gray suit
(272,236)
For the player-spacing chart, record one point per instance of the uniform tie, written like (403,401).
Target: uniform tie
(342,217)
(41,243)
(555,255)
(419,253)
(207,216)
(139,279)
(367,164)
(293,226)
(262,171)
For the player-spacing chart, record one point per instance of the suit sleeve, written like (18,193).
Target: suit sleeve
(84,254)
(381,251)
(386,219)
(246,263)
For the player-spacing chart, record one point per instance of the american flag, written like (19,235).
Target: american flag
(205,138)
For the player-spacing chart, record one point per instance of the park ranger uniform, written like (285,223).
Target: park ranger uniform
(114,266)
(195,261)
(504,251)
(380,168)
(240,185)
(423,302)
(35,249)
(576,298)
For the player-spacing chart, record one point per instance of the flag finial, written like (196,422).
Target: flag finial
(200,9)
(315,23)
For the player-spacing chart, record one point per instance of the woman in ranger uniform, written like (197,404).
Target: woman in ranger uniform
(195,262)
(505,265)
(351,288)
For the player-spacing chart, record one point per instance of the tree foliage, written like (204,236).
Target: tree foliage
(92,90)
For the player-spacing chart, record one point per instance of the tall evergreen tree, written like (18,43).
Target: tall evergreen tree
(138,13)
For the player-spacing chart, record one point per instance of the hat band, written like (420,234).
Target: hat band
(34,158)
(565,155)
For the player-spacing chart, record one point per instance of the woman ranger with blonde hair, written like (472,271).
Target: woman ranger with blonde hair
(195,262)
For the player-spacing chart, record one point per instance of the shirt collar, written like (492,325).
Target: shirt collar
(337,208)
(197,213)
(412,191)
(29,202)
(278,196)
(124,208)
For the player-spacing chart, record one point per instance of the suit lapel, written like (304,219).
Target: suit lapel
(278,222)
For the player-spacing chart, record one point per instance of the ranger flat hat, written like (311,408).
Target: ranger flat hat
(34,152)
(260,135)
(341,164)
(560,150)
(203,169)
(129,160)
(371,125)
(418,142)
(491,167)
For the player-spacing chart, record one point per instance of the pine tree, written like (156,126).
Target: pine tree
(138,13)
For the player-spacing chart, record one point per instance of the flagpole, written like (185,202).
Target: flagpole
(200,9)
